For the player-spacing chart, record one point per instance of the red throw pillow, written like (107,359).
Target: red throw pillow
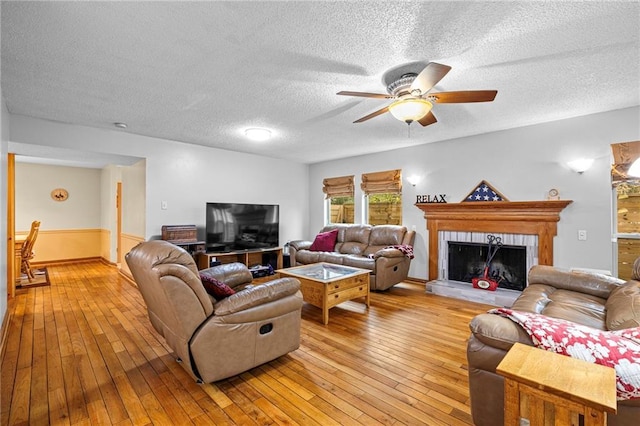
(325,241)
(216,288)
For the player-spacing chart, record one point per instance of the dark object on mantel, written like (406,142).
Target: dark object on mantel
(185,236)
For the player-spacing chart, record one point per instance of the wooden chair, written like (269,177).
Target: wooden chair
(27,252)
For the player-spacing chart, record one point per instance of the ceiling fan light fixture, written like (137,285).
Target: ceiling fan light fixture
(409,110)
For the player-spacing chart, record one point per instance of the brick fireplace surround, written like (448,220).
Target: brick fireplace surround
(510,217)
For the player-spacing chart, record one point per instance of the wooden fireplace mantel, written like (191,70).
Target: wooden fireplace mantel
(510,217)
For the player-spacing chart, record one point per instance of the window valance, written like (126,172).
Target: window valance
(388,182)
(338,186)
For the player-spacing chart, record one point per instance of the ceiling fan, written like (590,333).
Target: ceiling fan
(413,101)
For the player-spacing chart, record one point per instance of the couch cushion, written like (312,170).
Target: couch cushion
(358,262)
(331,257)
(387,235)
(581,308)
(623,306)
(357,234)
(325,241)
(351,247)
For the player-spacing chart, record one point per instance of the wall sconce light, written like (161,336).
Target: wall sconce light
(414,179)
(634,170)
(580,165)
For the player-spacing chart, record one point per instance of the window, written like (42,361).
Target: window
(383,196)
(626,205)
(339,199)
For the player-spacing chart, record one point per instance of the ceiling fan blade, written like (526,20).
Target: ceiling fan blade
(428,119)
(464,96)
(429,77)
(373,114)
(365,95)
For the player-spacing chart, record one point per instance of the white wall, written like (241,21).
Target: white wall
(523,164)
(34,183)
(186,176)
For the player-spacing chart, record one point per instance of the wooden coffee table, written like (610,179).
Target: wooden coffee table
(326,285)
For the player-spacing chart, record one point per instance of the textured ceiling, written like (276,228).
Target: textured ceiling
(201,72)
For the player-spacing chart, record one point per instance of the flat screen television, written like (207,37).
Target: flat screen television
(234,226)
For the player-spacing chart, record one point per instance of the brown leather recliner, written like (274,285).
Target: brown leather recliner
(215,340)
(597,301)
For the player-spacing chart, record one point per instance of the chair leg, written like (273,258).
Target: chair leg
(26,269)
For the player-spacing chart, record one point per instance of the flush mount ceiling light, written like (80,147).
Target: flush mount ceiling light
(120,125)
(580,165)
(410,109)
(258,134)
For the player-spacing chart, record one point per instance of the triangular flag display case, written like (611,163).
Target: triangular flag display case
(484,192)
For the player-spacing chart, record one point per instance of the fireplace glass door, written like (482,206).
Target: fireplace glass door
(508,267)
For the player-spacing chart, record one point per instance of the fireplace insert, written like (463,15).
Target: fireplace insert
(508,267)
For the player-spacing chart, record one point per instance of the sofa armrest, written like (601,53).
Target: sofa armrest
(257,295)
(300,244)
(388,252)
(498,332)
(234,274)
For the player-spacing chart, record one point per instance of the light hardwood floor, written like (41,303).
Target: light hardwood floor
(82,351)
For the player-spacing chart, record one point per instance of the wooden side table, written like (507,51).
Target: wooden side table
(552,389)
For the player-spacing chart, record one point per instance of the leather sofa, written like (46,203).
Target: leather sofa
(213,339)
(598,301)
(365,247)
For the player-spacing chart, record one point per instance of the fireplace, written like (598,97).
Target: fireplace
(466,261)
(461,257)
(521,218)
(525,225)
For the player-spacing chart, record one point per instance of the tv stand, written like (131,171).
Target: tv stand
(249,257)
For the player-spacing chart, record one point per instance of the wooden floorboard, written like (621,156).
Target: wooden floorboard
(82,351)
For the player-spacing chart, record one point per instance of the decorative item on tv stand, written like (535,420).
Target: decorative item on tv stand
(485,282)
(184,236)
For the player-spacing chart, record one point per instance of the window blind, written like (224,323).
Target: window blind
(388,182)
(338,186)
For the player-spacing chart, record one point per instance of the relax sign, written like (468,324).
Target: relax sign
(436,198)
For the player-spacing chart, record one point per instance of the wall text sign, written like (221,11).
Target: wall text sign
(436,198)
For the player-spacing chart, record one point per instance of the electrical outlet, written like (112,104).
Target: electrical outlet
(582,235)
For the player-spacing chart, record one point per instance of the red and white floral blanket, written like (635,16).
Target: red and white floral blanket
(618,349)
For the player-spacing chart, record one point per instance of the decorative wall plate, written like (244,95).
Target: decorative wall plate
(59,194)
